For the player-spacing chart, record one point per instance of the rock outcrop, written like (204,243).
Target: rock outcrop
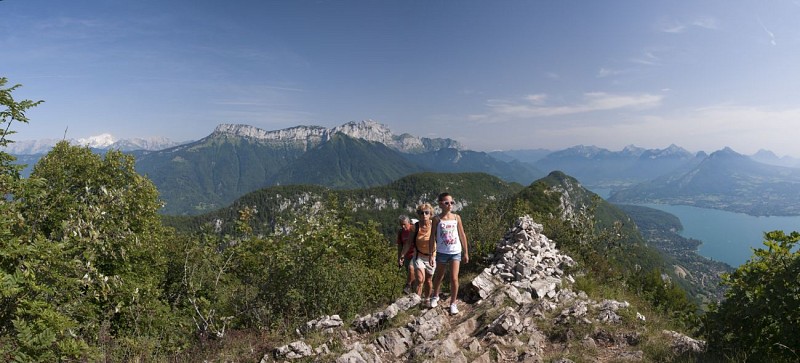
(310,136)
(522,308)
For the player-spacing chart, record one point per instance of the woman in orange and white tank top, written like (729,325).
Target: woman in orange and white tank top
(424,262)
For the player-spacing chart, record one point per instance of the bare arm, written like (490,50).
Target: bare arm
(400,244)
(434,233)
(463,238)
(400,248)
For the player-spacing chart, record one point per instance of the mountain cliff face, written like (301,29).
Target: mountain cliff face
(304,137)
(311,136)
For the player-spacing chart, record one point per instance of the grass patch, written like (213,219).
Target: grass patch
(241,345)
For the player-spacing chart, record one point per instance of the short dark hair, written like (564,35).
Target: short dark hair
(442,196)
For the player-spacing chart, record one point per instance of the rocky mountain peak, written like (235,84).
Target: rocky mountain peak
(369,130)
(98,141)
(632,150)
(292,133)
(505,312)
(583,151)
(103,141)
(726,153)
(672,151)
(765,154)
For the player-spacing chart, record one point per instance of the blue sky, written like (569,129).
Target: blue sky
(495,75)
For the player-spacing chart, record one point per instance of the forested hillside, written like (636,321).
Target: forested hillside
(700,276)
(382,204)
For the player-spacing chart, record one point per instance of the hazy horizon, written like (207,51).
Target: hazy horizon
(492,75)
(104,139)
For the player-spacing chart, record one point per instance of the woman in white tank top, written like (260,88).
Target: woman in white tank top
(450,249)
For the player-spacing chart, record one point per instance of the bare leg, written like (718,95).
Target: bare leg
(411,276)
(438,275)
(454,267)
(428,284)
(420,277)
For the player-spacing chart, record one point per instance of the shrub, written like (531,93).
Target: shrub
(760,316)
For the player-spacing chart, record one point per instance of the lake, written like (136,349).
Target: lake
(726,236)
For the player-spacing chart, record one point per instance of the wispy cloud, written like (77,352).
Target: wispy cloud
(771,34)
(535,106)
(608,72)
(672,26)
(648,58)
(706,23)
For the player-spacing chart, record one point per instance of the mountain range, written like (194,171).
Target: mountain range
(102,142)
(235,159)
(724,180)
(601,168)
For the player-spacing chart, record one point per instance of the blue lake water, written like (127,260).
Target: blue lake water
(728,237)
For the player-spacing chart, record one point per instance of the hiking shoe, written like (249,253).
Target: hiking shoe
(453,309)
(407,290)
(434,302)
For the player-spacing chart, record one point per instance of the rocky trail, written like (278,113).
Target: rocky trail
(520,309)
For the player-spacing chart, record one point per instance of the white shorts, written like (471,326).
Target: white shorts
(423,262)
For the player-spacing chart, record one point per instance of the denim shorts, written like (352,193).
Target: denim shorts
(442,258)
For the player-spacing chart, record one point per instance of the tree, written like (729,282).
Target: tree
(760,316)
(31,328)
(82,259)
(12,110)
(104,216)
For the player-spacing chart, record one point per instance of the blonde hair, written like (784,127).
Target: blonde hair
(425,206)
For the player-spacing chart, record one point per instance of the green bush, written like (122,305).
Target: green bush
(760,316)
(83,259)
(316,262)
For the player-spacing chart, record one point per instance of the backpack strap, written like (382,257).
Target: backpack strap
(413,237)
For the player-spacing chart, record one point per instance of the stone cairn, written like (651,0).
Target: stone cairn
(527,260)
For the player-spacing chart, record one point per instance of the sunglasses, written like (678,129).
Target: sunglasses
(423,212)
(448,203)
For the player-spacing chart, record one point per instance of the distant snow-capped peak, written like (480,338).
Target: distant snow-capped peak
(102,141)
(98,141)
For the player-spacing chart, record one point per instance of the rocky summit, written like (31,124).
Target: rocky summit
(523,308)
(369,130)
